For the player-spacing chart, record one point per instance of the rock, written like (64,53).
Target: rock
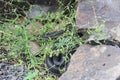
(10,72)
(100,62)
(44,2)
(93,14)
(34,48)
(40,10)
(34,27)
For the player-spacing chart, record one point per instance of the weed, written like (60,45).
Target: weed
(16,36)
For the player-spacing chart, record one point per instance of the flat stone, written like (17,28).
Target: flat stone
(100,62)
(34,48)
(94,13)
(34,27)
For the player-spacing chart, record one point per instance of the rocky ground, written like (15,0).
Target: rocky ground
(89,62)
(97,62)
(8,71)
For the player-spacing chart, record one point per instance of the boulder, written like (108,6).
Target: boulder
(99,62)
(94,13)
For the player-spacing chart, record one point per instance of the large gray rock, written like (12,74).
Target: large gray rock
(100,62)
(93,13)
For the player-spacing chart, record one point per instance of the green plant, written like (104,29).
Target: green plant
(17,38)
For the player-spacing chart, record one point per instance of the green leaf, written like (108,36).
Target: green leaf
(31,75)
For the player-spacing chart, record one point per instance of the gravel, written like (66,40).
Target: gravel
(10,72)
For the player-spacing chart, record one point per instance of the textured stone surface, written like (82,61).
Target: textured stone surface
(94,63)
(34,27)
(40,10)
(95,12)
(8,71)
(34,48)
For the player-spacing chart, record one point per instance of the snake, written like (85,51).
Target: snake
(53,34)
(55,63)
